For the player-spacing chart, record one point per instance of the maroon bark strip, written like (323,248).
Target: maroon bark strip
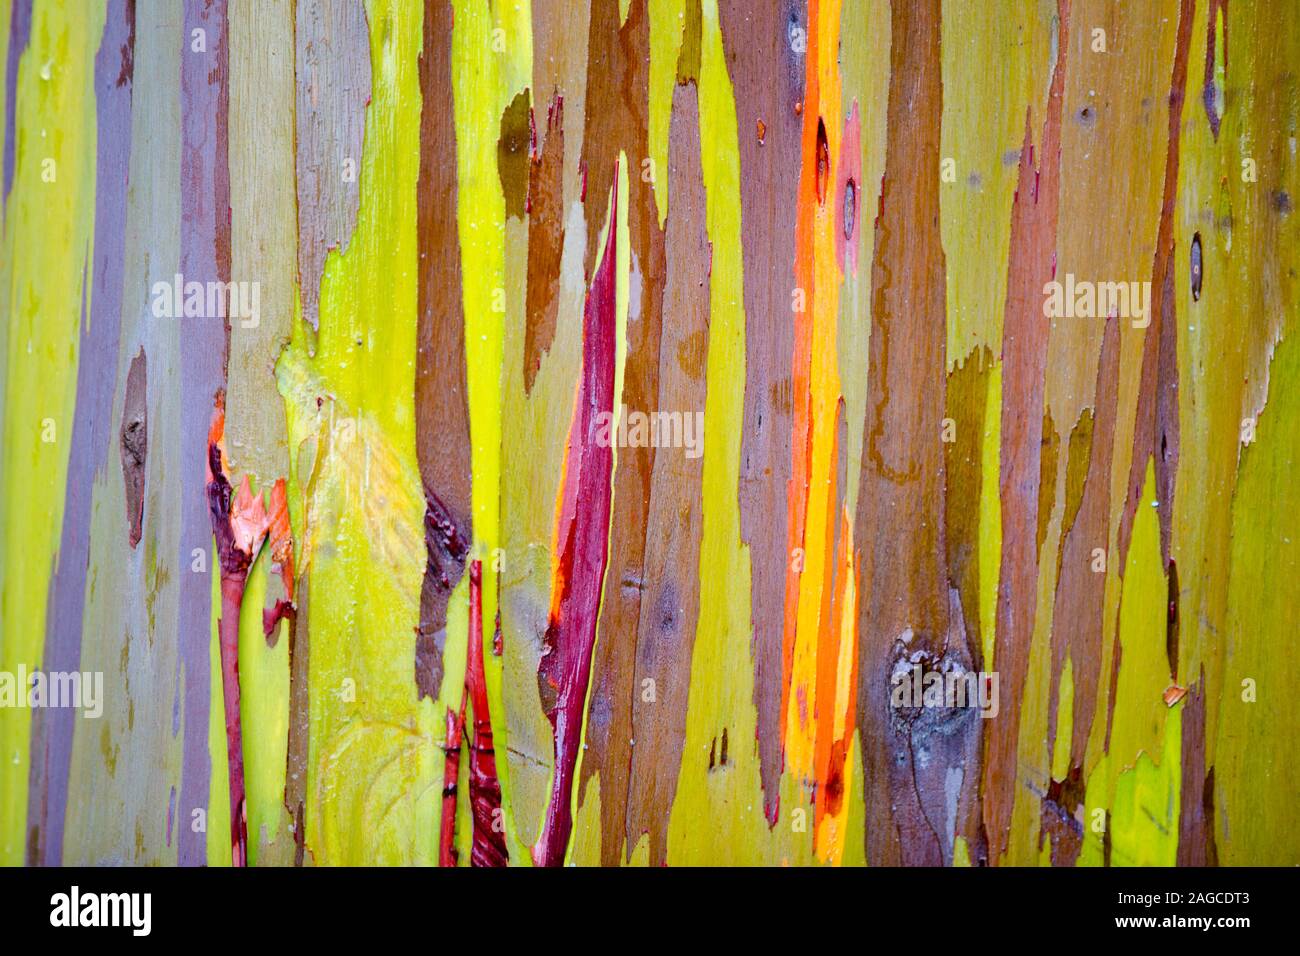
(204,257)
(665,633)
(1196,840)
(768,77)
(1155,434)
(545,241)
(564,671)
(488,841)
(1061,816)
(488,847)
(20,34)
(1031,265)
(1172,621)
(441,411)
(234,576)
(133,438)
(333,68)
(239,527)
(100,330)
(1079,615)
(1208,93)
(618,72)
(909,615)
(281,610)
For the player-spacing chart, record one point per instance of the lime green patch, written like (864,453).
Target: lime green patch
(45,270)
(990,533)
(263,709)
(1064,722)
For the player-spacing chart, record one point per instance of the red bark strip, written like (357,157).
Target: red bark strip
(1032,265)
(582,534)
(441,411)
(447,855)
(489,841)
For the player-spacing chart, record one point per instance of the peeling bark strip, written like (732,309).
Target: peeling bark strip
(52,730)
(1081,591)
(545,241)
(618,72)
(1032,263)
(333,67)
(582,537)
(134,441)
(240,526)
(441,413)
(1077,621)
(238,532)
(514,150)
(907,616)
(769,81)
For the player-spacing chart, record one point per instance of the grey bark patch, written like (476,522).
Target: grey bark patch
(134,439)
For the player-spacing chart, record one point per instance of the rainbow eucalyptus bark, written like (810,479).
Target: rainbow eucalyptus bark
(564,672)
